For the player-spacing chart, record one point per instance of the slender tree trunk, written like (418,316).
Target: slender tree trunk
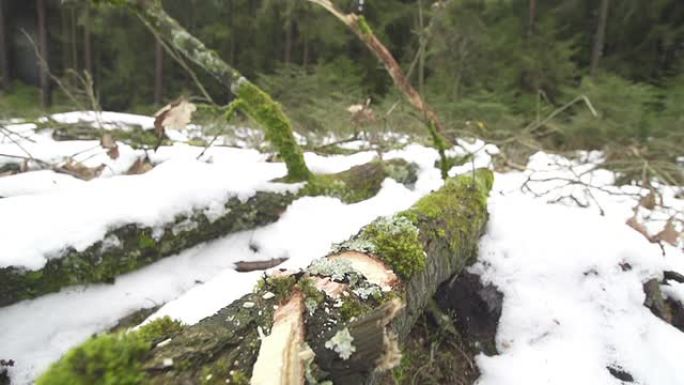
(358,25)
(4,52)
(599,37)
(43,60)
(532,16)
(289,32)
(73,41)
(305,53)
(421,58)
(87,42)
(158,73)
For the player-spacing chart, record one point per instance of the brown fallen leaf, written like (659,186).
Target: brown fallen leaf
(140,166)
(668,234)
(79,170)
(108,143)
(648,201)
(633,222)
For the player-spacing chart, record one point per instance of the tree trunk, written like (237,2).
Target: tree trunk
(599,38)
(4,52)
(87,42)
(344,318)
(131,246)
(43,60)
(257,104)
(289,32)
(158,73)
(532,16)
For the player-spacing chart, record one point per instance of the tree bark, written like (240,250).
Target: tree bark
(129,247)
(257,104)
(599,38)
(158,73)
(87,42)
(346,316)
(4,52)
(43,60)
(532,16)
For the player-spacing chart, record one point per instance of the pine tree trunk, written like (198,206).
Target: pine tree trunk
(599,37)
(43,60)
(4,51)
(532,16)
(158,73)
(87,42)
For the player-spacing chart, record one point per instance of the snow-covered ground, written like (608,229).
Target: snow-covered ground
(557,251)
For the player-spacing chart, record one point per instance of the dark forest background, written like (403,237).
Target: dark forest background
(499,69)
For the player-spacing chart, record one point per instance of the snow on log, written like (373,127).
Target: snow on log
(128,247)
(343,319)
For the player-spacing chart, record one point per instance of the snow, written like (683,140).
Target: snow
(43,225)
(195,283)
(556,246)
(571,308)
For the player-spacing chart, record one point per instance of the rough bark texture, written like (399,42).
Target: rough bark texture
(4,52)
(355,333)
(599,37)
(129,247)
(255,102)
(44,75)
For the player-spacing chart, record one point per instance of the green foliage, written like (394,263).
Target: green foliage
(109,359)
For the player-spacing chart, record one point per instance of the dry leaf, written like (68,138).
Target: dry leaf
(175,115)
(668,234)
(109,144)
(633,222)
(648,201)
(140,166)
(79,170)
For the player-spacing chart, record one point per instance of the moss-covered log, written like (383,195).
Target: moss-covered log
(135,136)
(360,303)
(129,247)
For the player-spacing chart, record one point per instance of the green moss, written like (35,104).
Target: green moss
(396,241)
(353,307)
(239,377)
(159,330)
(145,241)
(269,114)
(441,146)
(109,359)
(281,286)
(307,286)
(365,29)
(452,218)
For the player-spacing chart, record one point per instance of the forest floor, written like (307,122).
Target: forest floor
(558,246)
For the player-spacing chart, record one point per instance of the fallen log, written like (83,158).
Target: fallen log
(131,246)
(341,320)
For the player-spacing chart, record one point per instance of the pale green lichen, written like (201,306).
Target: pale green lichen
(355,244)
(396,241)
(336,269)
(341,343)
